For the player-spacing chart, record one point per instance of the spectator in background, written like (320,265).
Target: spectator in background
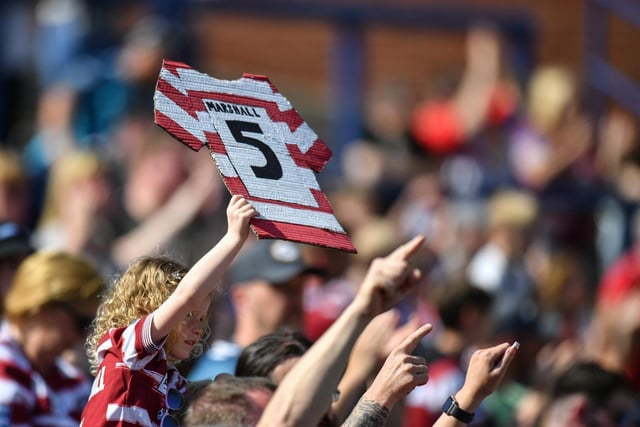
(272,355)
(48,309)
(75,215)
(15,246)
(164,189)
(53,137)
(617,162)
(550,155)
(441,125)
(266,295)
(465,318)
(385,148)
(614,337)
(585,394)
(226,402)
(15,197)
(499,266)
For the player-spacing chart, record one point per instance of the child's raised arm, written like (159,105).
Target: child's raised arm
(204,276)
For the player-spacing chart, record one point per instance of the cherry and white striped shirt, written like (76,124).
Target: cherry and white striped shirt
(132,380)
(27,398)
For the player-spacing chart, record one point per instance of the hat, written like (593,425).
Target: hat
(276,261)
(14,240)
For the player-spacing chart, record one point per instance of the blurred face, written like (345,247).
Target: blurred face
(188,332)
(51,331)
(152,180)
(273,307)
(14,203)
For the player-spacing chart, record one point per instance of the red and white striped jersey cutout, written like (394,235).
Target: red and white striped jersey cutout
(263,149)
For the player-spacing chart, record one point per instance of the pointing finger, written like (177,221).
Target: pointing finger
(404,252)
(411,342)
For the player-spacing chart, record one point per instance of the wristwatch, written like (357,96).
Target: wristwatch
(451,408)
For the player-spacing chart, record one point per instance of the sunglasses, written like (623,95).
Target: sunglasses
(174,401)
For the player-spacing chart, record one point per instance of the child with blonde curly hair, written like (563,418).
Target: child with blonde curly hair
(151,318)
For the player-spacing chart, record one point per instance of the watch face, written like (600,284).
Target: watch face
(449,406)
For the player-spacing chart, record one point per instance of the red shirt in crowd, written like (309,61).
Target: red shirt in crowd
(30,399)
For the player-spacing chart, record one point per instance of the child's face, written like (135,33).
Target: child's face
(188,332)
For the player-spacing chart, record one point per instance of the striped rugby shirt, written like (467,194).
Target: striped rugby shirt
(132,380)
(27,398)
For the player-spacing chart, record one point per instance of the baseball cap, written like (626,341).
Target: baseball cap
(14,240)
(276,261)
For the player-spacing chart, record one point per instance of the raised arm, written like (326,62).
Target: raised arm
(305,393)
(486,370)
(205,275)
(401,373)
(371,349)
(166,221)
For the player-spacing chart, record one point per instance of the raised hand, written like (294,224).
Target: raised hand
(485,372)
(402,371)
(239,212)
(389,278)
(400,374)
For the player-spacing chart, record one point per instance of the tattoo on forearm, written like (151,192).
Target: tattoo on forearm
(367,413)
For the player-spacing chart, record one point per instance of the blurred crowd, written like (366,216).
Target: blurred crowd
(529,206)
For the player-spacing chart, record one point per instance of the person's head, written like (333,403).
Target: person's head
(154,171)
(272,355)
(51,303)
(227,402)
(510,216)
(551,93)
(267,283)
(585,394)
(140,290)
(79,174)
(465,309)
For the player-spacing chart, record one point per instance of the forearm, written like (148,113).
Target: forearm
(305,393)
(207,273)
(160,227)
(352,386)
(367,413)
(468,400)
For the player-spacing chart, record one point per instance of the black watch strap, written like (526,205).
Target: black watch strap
(451,408)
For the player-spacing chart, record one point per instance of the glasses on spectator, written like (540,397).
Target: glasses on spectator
(174,401)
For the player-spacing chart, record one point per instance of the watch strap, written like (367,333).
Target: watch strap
(451,408)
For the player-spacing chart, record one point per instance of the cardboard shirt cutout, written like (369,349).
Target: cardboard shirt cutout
(263,149)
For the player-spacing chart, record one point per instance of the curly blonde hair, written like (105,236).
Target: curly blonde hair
(141,289)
